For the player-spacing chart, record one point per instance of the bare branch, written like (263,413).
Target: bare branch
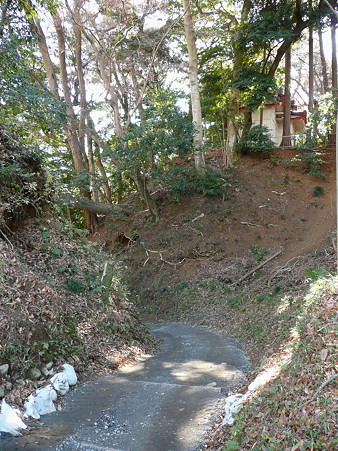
(331,8)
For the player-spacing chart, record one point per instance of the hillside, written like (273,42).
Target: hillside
(61,299)
(187,266)
(204,264)
(240,262)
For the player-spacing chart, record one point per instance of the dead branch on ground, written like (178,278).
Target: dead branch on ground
(256,268)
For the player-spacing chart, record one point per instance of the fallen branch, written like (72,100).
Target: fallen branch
(251,224)
(172,263)
(5,237)
(286,267)
(149,251)
(256,268)
(330,379)
(198,217)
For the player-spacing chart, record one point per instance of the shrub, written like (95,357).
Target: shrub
(312,160)
(318,191)
(257,139)
(179,180)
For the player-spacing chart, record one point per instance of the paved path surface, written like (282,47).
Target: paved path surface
(164,402)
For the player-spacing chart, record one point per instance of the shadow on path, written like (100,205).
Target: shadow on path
(164,402)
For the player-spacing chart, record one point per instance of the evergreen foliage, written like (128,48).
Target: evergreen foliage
(23,182)
(165,132)
(257,139)
(180,180)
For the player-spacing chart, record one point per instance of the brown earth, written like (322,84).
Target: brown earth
(186,266)
(267,204)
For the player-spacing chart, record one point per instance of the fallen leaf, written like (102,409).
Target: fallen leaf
(282,418)
(323,354)
(297,446)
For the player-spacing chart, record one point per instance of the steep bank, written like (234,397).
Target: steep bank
(187,266)
(61,299)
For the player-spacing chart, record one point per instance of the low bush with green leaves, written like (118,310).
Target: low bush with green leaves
(257,139)
(312,160)
(179,180)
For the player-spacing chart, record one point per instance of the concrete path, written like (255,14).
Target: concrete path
(164,402)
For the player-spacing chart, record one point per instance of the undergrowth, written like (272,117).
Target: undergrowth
(179,180)
(55,302)
(298,410)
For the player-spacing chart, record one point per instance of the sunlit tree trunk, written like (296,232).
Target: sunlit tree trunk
(325,79)
(44,51)
(194,88)
(141,184)
(80,164)
(103,174)
(311,67)
(232,134)
(332,136)
(94,184)
(286,140)
(81,80)
(79,157)
(334,51)
(312,131)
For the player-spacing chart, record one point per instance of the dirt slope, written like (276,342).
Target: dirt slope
(186,267)
(266,206)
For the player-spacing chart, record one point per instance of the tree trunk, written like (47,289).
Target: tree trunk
(80,165)
(286,140)
(81,80)
(311,70)
(105,182)
(334,51)
(232,134)
(332,135)
(47,61)
(141,184)
(195,94)
(99,208)
(232,130)
(247,123)
(325,80)
(92,174)
(311,132)
(300,25)
(79,158)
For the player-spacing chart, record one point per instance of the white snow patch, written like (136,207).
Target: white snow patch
(40,402)
(263,378)
(232,405)
(60,383)
(70,373)
(10,420)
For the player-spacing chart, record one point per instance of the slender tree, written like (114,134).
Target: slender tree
(286,139)
(332,136)
(311,65)
(194,88)
(325,79)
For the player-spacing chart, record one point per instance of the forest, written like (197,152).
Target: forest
(165,161)
(111,94)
